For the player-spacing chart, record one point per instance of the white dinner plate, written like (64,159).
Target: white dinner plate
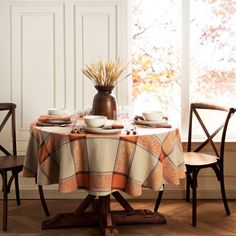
(146,122)
(101,130)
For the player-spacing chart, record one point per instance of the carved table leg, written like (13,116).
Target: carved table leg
(105,214)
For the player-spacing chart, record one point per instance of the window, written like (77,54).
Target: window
(156,55)
(212,47)
(182,52)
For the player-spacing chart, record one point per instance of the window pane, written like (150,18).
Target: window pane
(213,54)
(156,56)
(213,51)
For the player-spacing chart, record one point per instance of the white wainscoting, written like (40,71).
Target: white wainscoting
(43,47)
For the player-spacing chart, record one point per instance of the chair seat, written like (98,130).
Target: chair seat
(199,159)
(11,162)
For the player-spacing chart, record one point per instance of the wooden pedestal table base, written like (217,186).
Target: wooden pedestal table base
(103,216)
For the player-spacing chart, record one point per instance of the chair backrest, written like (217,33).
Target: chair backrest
(194,111)
(9,112)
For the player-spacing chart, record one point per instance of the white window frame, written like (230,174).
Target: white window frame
(185,66)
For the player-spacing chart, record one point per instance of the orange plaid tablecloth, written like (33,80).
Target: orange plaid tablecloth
(102,164)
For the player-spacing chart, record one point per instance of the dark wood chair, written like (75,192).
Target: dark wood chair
(10,162)
(196,160)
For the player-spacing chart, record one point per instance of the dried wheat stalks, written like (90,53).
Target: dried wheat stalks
(105,74)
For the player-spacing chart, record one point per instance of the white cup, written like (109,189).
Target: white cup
(57,111)
(153,116)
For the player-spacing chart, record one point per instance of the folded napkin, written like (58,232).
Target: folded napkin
(40,123)
(113,126)
(48,118)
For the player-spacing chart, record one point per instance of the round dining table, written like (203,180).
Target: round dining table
(103,164)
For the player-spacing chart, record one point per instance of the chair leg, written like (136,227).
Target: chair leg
(42,199)
(5,203)
(194,198)
(188,183)
(17,189)
(222,185)
(158,201)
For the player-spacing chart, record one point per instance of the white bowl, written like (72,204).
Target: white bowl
(153,116)
(57,111)
(95,121)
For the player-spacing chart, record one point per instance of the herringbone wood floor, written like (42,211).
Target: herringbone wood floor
(26,219)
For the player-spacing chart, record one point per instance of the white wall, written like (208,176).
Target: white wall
(44,45)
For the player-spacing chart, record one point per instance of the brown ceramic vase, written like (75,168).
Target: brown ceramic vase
(104,103)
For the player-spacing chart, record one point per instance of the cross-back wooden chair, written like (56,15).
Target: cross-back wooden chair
(10,161)
(196,160)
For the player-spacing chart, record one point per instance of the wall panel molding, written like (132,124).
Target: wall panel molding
(37,60)
(88,17)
